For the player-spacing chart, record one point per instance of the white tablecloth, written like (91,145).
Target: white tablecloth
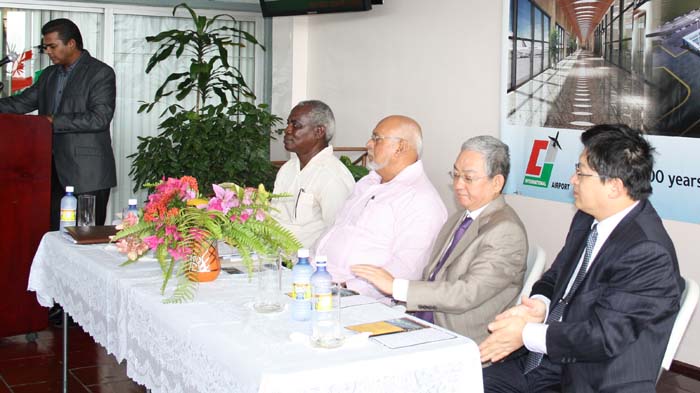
(217,343)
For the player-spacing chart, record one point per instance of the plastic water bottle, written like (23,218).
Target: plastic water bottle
(325,328)
(69,205)
(301,287)
(132,209)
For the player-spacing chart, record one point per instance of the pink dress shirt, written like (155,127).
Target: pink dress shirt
(392,225)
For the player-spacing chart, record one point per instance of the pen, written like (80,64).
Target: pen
(370,199)
(296,204)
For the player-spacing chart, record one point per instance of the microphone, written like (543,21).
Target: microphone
(10,58)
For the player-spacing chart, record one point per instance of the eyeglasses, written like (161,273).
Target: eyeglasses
(376,138)
(579,174)
(455,175)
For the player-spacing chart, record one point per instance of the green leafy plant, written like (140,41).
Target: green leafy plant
(572,45)
(553,48)
(224,136)
(357,171)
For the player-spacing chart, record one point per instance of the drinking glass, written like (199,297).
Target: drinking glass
(268,298)
(326,331)
(86,210)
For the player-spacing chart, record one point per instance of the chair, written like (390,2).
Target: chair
(535,268)
(360,160)
(689,300)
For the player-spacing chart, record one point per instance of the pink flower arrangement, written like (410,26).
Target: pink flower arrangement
(175,219)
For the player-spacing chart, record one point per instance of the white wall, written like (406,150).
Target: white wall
(438,62)
(396,60)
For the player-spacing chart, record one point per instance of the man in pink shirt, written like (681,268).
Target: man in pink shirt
(393,215)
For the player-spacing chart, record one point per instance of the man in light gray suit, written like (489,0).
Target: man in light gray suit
(477,265)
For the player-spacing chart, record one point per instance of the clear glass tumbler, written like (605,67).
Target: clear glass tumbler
(326,330)
(86,211)
(268,298)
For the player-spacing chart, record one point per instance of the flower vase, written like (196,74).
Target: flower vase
(204,265)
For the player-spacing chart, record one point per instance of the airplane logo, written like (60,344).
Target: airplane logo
(555,141)
(539,175)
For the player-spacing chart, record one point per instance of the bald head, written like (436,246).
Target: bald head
(405,128)
(395,144)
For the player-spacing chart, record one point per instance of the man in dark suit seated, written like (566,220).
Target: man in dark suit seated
(601,316)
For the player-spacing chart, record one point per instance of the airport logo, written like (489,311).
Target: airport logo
(539,175)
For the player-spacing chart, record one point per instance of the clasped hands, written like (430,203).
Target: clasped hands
(507,329)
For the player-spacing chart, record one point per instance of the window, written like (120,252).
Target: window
(545,36)
(626,39)
(639,54)
(537,43)
(561,44)
(524,19)
(528,55)
(23,34)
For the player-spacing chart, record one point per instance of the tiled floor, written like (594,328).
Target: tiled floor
(34,367)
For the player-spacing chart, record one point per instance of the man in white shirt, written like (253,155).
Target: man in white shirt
(317,182)
(601,316)
(477,265)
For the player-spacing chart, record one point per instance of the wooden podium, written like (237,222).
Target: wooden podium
(25,193)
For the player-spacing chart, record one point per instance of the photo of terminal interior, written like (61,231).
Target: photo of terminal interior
(575,63)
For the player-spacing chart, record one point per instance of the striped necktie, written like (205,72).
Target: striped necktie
(534,358)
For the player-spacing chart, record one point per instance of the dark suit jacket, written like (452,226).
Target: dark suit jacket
(481,278)
(82,147)
(614,331)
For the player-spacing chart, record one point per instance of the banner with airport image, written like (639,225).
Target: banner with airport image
(637,65)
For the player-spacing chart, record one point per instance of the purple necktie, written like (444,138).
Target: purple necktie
(459,232)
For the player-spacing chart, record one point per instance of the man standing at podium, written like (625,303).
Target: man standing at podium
(77,95)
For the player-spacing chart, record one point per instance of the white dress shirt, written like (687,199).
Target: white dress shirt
(400,285)
(316,193)
(535,334)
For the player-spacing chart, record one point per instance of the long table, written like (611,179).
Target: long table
(218,343)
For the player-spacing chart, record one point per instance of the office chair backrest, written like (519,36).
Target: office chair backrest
(689,300)
(535,268)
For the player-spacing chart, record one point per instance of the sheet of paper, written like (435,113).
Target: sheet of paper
(351,301)
(413,338)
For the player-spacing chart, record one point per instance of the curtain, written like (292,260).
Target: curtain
(134,86)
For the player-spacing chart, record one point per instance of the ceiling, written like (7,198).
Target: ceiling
(585,14)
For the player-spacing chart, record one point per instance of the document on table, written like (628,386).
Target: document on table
(413,338)
(390,326)
(357,300)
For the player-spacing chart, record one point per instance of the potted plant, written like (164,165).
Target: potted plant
(553,48)
(572,45)
(182,228)
(224,136)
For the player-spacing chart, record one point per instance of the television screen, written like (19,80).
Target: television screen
(303,7)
